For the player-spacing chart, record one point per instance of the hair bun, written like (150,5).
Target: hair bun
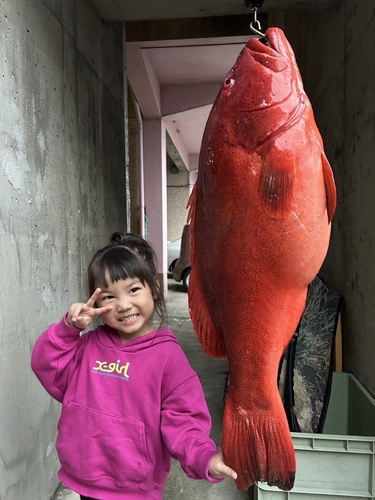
(116,238)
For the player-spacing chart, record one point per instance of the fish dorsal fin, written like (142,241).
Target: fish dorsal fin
(191,204)
(276,182)
(208,334)
(329,184)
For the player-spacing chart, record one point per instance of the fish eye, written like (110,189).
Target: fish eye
(228,83)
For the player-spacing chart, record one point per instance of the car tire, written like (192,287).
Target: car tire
(171,267)
(186,279)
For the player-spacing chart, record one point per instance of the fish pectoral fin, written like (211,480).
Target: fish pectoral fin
(276,182)
(208,334)
(329,184)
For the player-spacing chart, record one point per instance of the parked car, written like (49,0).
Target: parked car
(173,249)
(182,269)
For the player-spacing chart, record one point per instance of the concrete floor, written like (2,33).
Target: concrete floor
(212,373)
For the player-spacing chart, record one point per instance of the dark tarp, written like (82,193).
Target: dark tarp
(306,368)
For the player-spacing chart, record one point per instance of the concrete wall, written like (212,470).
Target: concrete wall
(336,52)
(62,194)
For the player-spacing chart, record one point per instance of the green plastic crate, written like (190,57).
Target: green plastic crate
(338,464)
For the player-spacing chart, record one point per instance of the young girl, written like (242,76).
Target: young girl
(130,399)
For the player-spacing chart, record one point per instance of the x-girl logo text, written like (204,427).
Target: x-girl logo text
(112,369)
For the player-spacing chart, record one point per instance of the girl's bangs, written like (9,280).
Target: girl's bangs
(119,264)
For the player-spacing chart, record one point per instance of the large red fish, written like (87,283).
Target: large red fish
(260,226)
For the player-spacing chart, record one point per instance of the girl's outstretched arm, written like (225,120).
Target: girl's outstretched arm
(219,469)
(186,421)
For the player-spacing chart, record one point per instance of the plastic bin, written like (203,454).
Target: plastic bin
(338,464)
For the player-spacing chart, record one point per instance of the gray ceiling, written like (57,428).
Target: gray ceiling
(142,10)
(178,79)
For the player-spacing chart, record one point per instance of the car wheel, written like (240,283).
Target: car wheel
(186,279)
(171,267)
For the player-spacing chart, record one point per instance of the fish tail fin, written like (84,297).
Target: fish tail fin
(258,446)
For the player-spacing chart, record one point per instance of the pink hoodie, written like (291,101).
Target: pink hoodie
(126,409)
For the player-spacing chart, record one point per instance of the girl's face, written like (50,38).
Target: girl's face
(132,307)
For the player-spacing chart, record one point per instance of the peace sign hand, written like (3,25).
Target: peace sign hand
(81,314)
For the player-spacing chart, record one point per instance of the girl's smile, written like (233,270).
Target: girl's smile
(132,306)
(129,319)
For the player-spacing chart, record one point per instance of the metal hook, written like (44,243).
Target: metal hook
(255,25)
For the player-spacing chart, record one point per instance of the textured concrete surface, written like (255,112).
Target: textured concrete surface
(62,176)
(65,494)
(212,373)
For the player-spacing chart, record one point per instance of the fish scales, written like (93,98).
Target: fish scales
(260,215)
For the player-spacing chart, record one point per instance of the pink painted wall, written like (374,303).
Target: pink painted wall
(155,188)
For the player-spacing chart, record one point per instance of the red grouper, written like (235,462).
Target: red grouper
(260,216)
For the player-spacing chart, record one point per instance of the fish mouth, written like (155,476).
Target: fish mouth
(272,50)
(273,41)
(261,45)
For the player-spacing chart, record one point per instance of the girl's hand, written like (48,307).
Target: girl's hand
(219,469)
(80,314)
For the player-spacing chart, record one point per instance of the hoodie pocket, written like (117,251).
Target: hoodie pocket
(92,445)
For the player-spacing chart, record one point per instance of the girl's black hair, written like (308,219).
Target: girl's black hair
(127,256)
